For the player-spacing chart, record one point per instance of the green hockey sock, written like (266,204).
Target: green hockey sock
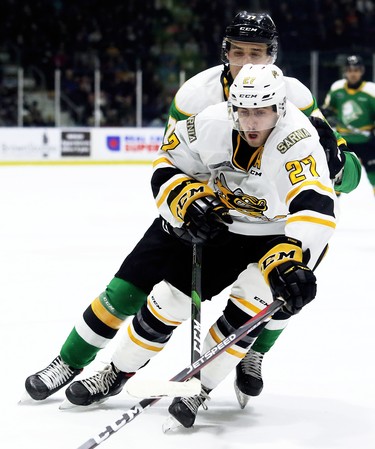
(266,339)
(76,352)
(123,299)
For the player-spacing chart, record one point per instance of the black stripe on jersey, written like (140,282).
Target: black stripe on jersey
(162,175)
(96,325)
(311,200)
(149,327)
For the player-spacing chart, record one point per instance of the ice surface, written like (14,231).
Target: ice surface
(64,232)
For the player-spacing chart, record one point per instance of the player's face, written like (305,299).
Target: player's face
(242,53)
(353,74)
(256,124)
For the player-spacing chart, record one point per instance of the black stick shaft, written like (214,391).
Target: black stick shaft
(196,301)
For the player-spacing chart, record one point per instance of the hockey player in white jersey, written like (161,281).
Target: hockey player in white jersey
(250,180)
(251,37)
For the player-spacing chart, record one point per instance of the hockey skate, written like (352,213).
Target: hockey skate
(97,388)
(249,380)
(184,410)
(44,383)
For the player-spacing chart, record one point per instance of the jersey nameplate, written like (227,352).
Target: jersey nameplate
(292,138)
(190,125)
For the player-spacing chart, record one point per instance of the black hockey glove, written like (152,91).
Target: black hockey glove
(295,283)
(335,155)
(206,219)
(287,275)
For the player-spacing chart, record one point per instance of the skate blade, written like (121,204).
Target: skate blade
(171,424)
(25,398)
(242,398)
(67,405)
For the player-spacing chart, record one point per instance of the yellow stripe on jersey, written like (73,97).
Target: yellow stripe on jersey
(170,187)
(161,317)
(296,190)
(247,304)
(104,315)
(181,111)
(306,107)
(310,219)
(230,351)
(161,160)
(226,88)
(188,194)
(140,343)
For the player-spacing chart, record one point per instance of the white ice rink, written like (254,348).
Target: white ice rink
(64,232)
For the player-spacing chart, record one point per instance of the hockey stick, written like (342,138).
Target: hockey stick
(151,388)
(359,132)
(186,373)
(196,302)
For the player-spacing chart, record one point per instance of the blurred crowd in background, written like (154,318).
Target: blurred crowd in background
(162,38)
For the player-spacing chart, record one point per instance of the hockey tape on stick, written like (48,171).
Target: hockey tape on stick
(152,388)
(186,373)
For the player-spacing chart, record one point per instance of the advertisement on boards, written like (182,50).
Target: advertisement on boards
(75,145)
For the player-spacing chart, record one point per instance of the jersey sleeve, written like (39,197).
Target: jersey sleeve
(179,175)
(351,175)
(300,96)
(310,198)
(196,94)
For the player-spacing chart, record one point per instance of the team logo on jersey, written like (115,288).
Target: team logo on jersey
(237,199)
(351,111)
(190,126)
(292,139)
(240,201)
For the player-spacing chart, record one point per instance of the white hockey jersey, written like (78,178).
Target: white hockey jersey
(282,187)
(206,89)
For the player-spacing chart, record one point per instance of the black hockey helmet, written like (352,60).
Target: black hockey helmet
(251,27)
(354,61)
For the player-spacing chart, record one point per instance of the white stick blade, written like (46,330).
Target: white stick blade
(155,388)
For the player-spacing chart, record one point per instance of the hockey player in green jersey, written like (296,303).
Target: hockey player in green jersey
(251,38)
(350,107)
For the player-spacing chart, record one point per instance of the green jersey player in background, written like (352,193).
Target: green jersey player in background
(251,38)
(350,108)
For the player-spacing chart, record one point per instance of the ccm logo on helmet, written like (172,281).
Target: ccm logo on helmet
(248,29)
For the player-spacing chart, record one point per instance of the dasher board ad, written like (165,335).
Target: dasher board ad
(75,145)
